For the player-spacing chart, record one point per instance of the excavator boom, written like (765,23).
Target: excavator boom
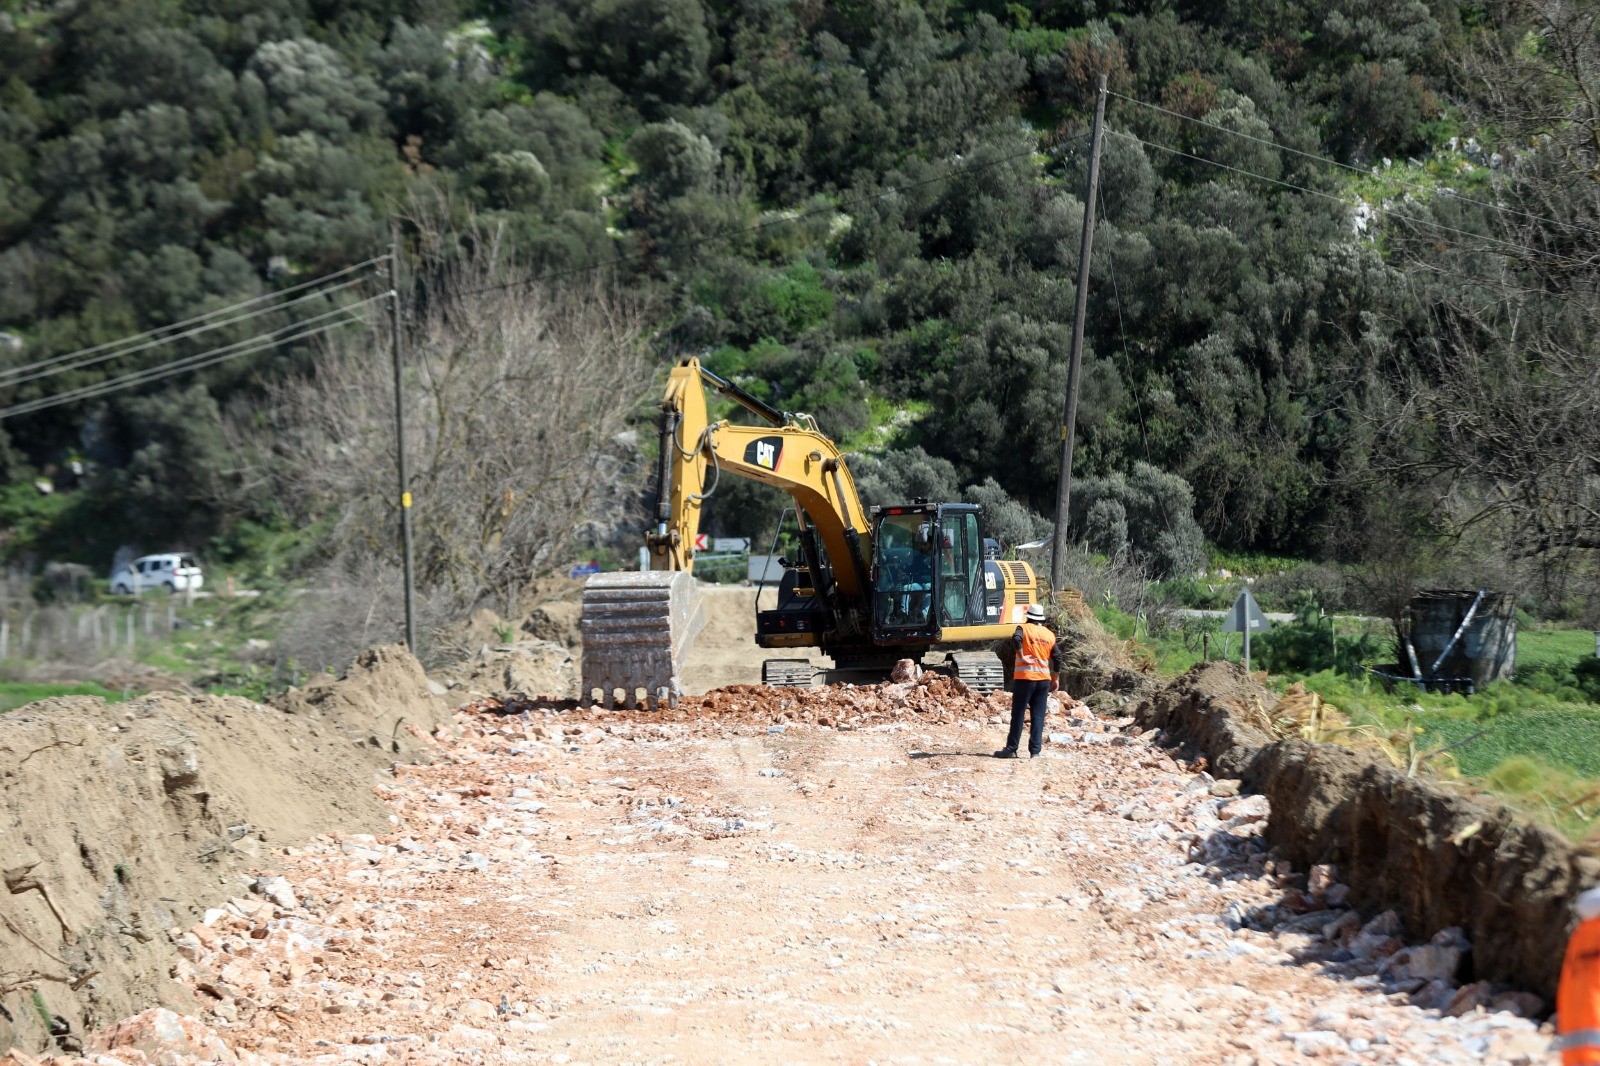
(623,651)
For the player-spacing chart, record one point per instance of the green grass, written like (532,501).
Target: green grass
(1552,648)
(1175,646)
(1501,723)
(14,694)
(1252,564)
(1536,751)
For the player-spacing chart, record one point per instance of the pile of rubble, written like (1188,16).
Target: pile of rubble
(929,698)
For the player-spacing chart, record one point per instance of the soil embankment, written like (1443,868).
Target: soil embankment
(1439,857)
(121,822)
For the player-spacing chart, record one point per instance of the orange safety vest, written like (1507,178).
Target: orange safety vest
(1033,653)
(1578,997)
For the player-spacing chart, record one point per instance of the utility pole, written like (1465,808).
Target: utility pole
(400,437)
(1069,418)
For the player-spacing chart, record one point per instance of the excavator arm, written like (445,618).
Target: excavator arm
(637,627)
(789,453)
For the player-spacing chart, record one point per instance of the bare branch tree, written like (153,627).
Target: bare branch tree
(518,398)
(1500,426)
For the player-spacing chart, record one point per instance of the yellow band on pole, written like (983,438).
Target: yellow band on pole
(1063,432)
(405,499)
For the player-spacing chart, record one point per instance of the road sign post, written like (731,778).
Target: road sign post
(1245,616)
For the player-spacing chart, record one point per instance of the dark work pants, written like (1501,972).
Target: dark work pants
(1026,695)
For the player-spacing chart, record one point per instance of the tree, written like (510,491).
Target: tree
(516,400)
(1147,511)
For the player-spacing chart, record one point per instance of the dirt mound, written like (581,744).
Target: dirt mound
(1439,859)
(557,622)
(119,822)
(532,667)
(1095,660)
(383,691)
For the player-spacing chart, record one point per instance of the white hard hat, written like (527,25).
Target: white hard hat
(1588,904)
(1036,612)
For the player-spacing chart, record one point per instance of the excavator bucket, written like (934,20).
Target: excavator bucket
(637,628)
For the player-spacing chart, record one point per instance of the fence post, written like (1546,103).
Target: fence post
(5,638)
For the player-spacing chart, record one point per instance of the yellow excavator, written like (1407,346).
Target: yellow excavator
(870,587)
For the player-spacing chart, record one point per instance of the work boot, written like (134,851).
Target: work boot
(1006,753)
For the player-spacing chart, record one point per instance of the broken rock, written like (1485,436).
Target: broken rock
(905,670)
(278,890)
(166,1038)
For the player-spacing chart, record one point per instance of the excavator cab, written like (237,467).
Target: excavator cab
(928,573)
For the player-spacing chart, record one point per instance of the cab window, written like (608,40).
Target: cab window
(903,561)
(960,570)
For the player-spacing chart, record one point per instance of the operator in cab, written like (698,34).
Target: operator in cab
(1036,674)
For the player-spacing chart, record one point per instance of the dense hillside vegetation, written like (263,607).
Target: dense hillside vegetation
(1314,217)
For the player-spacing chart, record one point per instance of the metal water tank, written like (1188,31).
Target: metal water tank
(1465,634)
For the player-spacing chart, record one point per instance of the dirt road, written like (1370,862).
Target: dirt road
(603,888)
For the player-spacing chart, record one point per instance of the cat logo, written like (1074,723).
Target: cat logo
(765,452)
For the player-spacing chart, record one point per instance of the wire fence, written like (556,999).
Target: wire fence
(83,632)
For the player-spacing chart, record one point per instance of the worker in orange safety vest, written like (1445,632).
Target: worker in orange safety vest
(1578,997)
(1035,675)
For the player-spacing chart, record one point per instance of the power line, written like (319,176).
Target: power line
(735,231)
(106,356)
(1329,161)
(279,294)
(283,335)
(167,370)
(1341,200)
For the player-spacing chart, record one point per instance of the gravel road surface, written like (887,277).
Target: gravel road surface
(567,886)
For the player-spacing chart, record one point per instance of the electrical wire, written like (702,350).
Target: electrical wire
(283,335)
(7,380)
(1329,161)
(1537,252)
(165,371)
(280,293)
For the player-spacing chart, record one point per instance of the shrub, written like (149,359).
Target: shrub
(1309,644)
(1158,517)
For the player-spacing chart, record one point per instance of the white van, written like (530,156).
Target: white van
(175,572)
